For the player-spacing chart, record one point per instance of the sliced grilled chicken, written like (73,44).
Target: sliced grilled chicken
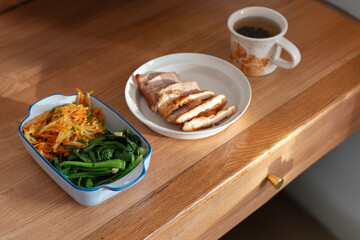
(213,110)
(182,102)
(186,107)
(185,86)
(166,109)
(150,84)
(207,105)
(205,122)
(163,79)
(176,90)
(145,78)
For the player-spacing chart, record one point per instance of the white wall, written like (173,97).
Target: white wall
(350,6)
(330,189)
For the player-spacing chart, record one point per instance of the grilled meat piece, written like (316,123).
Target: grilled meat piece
(150,84)
(166,109)
(176,90)
(213,110)
(207,105)
(205,122)
(186,107)
(162,80)
(185,86)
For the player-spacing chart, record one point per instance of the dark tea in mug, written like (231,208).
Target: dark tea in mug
(257,27)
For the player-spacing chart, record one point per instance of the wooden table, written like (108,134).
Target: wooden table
(194,188)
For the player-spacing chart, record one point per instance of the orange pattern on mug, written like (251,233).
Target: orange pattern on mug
(249,64)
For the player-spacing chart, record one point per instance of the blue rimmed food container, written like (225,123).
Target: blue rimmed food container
(115,122)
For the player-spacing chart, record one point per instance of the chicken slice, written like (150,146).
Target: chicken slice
(176,90)
(150,84)
(166,109)
(162,80)
(145,78)
(180,86)
(205,122)
(186,107)
(207,105)
(213,110)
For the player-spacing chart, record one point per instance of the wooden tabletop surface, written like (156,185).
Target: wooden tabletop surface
(194,188)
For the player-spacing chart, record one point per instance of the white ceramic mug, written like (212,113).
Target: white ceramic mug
(261,56)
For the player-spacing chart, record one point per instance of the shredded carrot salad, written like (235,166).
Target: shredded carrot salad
(60,130)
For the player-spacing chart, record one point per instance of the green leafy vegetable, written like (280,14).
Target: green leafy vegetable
(102,160)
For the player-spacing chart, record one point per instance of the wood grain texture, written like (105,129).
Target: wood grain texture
(56,46)
(10,4)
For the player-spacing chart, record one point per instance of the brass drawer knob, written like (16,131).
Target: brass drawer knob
(276,181)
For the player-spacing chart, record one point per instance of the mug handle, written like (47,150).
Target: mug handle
(291,49)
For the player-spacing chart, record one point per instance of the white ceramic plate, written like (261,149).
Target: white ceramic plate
(211,73)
